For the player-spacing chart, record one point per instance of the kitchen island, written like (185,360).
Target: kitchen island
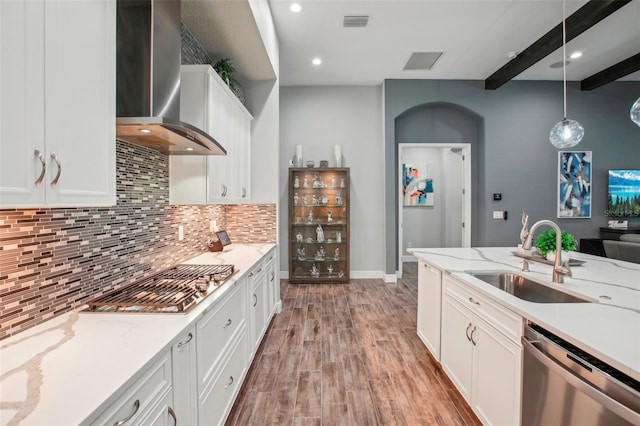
(474,329)
(72,368)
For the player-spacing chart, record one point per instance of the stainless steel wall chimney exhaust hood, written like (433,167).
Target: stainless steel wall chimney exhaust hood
(148,80)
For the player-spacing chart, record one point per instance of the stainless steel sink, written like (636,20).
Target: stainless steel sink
(527,289)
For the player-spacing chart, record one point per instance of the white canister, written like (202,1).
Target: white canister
(337,152)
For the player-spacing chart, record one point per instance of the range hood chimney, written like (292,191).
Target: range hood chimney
(148,80)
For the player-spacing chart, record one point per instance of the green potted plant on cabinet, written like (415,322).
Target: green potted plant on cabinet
(225,70)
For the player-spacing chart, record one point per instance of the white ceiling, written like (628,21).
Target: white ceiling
(475,36)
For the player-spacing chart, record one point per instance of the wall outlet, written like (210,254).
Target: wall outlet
(180,232)
(213,225)
(499,214)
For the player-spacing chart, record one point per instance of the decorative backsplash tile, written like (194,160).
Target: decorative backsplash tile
(54,260)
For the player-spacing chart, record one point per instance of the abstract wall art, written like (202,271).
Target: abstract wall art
(574,184)
(417,188)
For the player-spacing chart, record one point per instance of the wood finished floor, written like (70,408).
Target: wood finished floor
(348,354)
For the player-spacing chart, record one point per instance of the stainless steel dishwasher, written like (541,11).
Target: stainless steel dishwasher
(563,385)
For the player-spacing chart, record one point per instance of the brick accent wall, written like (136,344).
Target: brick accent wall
(54,260)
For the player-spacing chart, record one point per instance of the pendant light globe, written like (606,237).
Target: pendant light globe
(634,113)
(566,133)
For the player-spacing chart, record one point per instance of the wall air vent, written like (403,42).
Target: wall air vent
(422,60)
(355,21)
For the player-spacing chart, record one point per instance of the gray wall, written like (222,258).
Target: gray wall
(512,154)
(319,118)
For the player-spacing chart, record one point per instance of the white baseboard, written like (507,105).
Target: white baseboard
(284,275)
(409,258)
(390,278)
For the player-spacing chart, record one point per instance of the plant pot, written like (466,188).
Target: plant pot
(564,256)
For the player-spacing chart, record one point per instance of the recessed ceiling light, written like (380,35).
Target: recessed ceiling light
(316,61)
(189,149)
(145,130)
(575,55)
(295,7)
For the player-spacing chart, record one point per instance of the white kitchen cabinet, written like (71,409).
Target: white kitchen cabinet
(141,398)
(162,413)
(207,103)
(185,398)
(273,284)
(57,110)
(218,333)
(482,362)
(258,305)
(429,307)
(218,397)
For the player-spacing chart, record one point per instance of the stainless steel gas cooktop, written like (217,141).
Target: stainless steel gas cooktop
(177,289)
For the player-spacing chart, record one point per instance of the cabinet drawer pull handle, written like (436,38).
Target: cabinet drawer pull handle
(230,382)
(44,167)
(467,332)
(255,298)
(473,331)
(228,323)
(273,275)
(173,414)
(270,257)
(473,301)
(259,270)
(251,274)
(55,180)
(244,192)
(136,406)
(189,337)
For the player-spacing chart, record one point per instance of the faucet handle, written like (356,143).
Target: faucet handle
(525,265)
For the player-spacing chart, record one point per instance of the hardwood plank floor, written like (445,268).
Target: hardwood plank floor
(348,354)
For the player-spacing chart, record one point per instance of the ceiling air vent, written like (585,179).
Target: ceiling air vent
(422,60)
(354,21)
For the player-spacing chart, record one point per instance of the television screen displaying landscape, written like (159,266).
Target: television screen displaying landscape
(624,193)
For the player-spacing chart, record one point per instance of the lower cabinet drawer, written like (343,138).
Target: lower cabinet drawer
(216,330)
(162,413)
(140,397)
(217,400)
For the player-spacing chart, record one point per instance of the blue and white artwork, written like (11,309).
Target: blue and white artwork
(574,184)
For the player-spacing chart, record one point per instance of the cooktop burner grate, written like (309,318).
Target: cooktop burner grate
(174,290)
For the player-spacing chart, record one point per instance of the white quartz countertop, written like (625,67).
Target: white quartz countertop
(608,329)
(69,369)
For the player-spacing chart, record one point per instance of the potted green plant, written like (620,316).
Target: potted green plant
(225,70)
(546,244)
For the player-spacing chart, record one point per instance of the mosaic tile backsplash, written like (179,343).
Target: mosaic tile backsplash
(54,260)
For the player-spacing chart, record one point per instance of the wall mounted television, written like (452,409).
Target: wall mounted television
(624,193)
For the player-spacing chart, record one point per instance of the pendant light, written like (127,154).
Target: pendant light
(566,133)
(635,112)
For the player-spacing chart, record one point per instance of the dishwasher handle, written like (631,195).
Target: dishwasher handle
(606,401)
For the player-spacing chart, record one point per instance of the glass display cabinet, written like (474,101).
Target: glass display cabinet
(318,225)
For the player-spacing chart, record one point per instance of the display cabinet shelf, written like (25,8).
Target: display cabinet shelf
(319,225)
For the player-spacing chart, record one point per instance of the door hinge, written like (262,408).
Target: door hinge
(463,224)
(463,158)
(463,191)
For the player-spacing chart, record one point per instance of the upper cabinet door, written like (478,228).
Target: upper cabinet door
(22,103)
(57,110)
(80,92)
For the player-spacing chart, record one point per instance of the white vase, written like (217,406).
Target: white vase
(299,156)
(564,256)
(337,152)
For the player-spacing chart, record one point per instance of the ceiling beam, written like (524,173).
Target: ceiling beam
(580,21)
(612,73)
